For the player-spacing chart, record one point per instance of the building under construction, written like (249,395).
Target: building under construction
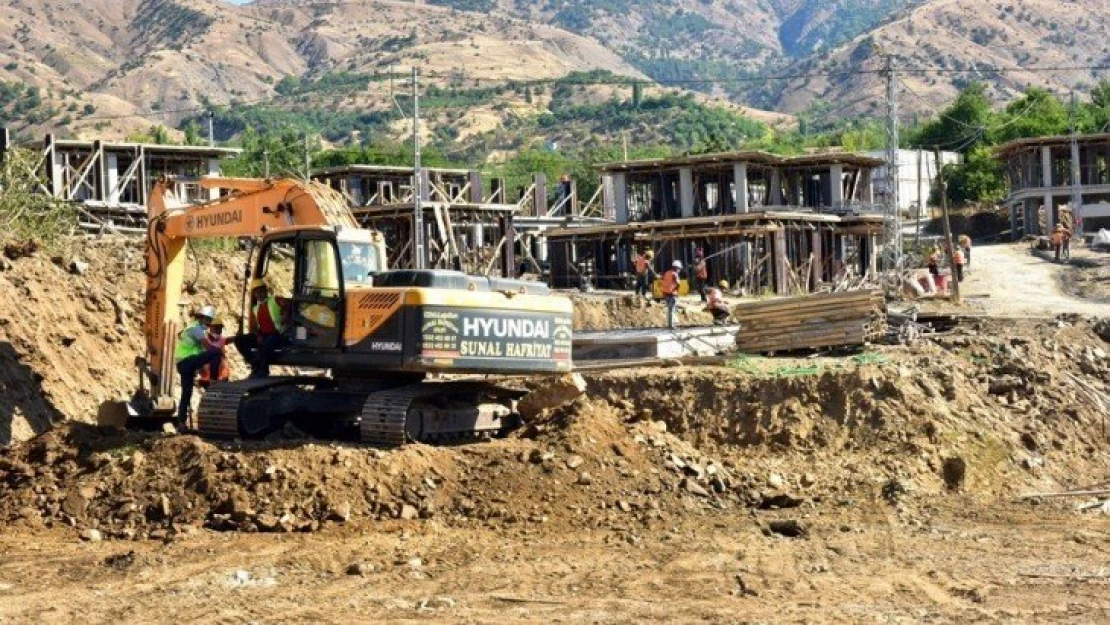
(108,182)
(1051,176)
(765,222)
(470,222)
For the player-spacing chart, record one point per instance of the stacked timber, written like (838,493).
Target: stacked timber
(811,322)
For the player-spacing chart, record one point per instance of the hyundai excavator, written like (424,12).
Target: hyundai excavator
(379,335)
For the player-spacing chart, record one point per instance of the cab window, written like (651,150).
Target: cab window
(321,269)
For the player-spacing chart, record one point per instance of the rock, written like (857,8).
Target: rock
(585,479)
(775,481)
(787,527)
(780,500)
(1032,462)
(408,512)
(535,456)
(893,490)
(574,462)
(169,428)
(91,535)
(624,506)
(267,522)
(134,461)
(442,602)
(808,479)
(954,471)
(415,563)
(554,394)
(362,569)
(340,512)
(78,268)
(77,501)
(694,488)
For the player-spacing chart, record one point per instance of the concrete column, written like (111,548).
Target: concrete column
(475,187)
(214,171)
(1013,222)
(686,191)
(111,169)
(836,185)
(780,261)
(740,183)
(776,188)
(1046,182)
(818,254)
(620,198)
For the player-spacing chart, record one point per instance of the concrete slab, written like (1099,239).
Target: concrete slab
(653,343)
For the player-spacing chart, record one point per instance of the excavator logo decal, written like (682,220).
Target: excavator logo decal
(225,218)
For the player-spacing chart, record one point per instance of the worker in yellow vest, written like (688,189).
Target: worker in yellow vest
(194,352)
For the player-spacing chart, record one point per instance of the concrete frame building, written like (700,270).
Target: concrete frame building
(917,170)
(1045,174)
(469,222)
(768,222)
(110,181)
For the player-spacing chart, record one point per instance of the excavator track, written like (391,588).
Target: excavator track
(218,414)
(384,419)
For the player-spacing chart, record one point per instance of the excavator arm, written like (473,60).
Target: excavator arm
(249,209)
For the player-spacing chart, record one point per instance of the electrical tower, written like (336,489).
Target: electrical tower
(892,223)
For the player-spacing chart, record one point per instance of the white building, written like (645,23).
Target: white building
(910,185)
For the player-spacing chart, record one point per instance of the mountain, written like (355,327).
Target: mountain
(84,67)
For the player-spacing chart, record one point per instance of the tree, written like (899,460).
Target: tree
(978,179)
(1036,114)
(961,126)
(26,212)
(192,134)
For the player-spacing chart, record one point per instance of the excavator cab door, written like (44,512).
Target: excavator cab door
(318,293)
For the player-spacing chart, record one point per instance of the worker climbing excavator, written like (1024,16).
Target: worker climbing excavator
(379,333)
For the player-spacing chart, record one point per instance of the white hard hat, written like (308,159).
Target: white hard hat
(207,311)
(677,264)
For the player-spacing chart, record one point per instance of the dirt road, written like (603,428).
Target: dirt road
(1020,284)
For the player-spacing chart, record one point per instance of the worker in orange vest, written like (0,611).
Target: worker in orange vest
(644,273)
(958,260)
(670,290)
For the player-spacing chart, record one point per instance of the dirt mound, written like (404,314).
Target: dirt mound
(596,312)
(988,412)
(70,328)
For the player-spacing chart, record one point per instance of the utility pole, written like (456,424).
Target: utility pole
(949,244)
(307,159)
(1076,188)
(624,144)
(893,240)
(920,201)
(266,162)
(417,178)
(211,130)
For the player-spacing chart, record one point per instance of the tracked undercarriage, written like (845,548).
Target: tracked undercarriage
(387,412)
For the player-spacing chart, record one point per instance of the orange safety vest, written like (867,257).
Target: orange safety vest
(701,271)
(670,283)
(642,265)
(1057,237)
(958,257)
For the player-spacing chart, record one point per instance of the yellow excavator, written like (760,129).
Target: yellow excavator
(377,335)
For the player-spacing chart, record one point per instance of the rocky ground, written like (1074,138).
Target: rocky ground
(883,485)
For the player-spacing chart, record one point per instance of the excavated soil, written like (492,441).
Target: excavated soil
(609,311)
(875,487)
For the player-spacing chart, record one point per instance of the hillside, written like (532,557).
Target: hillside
(85,67)
(961,36)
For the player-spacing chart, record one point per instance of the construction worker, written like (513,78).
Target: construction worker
(965,244)
(644,273)
(958,264)
(216,339)
(1065,244)
(701,273)
(670,290)
(1057,240)
(194,352)
(268,321)
(933,262)
(716,305)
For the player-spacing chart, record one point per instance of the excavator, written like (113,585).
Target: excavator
(391,345)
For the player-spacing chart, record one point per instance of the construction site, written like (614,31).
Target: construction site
(837,447)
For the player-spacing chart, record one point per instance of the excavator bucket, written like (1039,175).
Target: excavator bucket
(113,414)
